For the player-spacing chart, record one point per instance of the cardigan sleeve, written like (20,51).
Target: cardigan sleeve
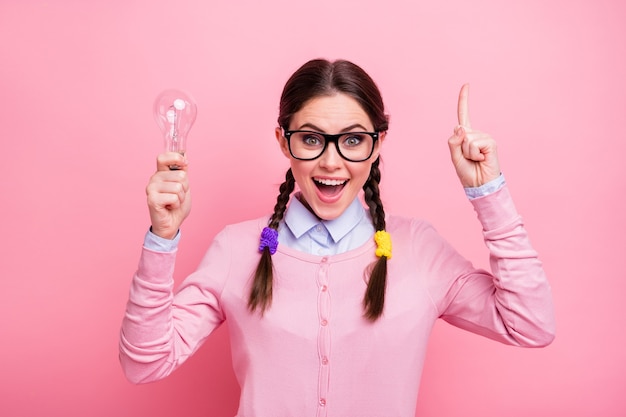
(512,303)
(162,328)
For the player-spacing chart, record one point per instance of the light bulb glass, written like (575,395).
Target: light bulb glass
(175,113)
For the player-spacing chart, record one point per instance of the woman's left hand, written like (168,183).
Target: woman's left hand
(473,152)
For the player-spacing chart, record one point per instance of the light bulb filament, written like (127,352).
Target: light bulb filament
(172,119)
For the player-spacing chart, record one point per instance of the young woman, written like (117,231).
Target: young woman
(326,316)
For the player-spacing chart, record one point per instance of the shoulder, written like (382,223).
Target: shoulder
(411,232)
(238,241)
(403,224)
(242,231)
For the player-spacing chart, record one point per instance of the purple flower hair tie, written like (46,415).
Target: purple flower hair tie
(269,239)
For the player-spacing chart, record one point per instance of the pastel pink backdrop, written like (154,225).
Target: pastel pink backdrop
(77,81)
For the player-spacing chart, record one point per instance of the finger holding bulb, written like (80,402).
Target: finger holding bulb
(168,195)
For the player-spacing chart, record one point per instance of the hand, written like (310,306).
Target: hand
(473,153)
(169,198)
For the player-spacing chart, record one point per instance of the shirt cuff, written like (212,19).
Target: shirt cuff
(159,244)
(485,189)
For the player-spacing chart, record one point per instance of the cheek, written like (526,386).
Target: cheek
(300,169)
(361,172)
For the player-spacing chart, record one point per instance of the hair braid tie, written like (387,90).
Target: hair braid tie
(383,240)
(269,239)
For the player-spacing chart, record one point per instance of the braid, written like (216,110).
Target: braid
(374,299)
(261,291)
(286,188)
(372,197)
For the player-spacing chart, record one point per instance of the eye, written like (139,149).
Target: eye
(311,139)
(352,140)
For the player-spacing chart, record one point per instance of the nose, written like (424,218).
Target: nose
(331,159)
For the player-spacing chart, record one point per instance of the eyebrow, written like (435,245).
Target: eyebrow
(346,129)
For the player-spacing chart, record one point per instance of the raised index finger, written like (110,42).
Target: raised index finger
(463,107)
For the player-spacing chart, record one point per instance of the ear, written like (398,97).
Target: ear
(282,142)
(378,146)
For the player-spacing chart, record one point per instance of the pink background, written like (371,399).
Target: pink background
(77,81)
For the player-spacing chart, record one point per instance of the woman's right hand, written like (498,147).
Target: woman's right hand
(169,197)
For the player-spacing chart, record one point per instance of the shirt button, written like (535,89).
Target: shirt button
(324,360)
(324,259)
(324,288)
(318,228)
(324,322)
(322,402)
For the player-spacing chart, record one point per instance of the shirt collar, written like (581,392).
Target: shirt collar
(300,220)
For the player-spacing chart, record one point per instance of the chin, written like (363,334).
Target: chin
(329,213)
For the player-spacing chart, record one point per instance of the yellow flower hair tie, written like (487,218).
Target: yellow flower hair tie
(383,240)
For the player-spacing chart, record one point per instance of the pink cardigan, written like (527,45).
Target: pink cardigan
(312,353)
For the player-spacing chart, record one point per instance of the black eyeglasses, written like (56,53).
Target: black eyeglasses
(307,145)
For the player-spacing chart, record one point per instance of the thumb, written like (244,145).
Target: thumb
(455,143)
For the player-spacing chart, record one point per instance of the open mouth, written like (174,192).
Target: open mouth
(329,187)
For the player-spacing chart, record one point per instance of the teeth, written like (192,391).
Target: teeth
(330,182)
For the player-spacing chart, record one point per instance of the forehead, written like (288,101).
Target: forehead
(331,114)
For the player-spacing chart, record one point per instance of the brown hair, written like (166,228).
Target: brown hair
(316,78)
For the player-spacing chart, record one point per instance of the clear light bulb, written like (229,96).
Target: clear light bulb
(175,113)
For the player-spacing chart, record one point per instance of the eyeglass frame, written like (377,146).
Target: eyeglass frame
(331,138)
